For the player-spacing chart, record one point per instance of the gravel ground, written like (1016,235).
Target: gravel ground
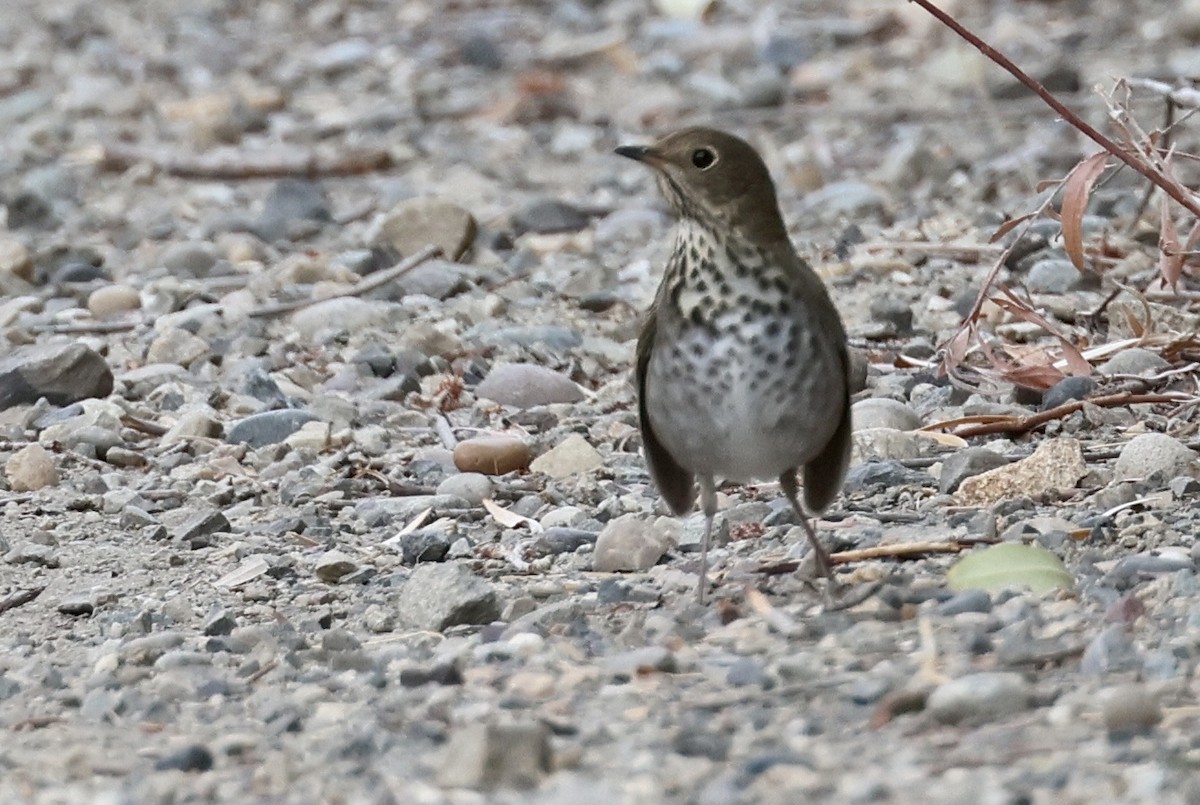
(293,513)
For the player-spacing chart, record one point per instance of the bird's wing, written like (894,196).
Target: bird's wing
(675,484)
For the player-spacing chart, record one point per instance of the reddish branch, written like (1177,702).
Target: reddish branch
(1172,189)
(1023,424)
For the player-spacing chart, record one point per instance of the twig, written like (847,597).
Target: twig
(261,672)
(369,284)
(19,599)
(900,550)
(1172,189)
(232,165)
(1024,424)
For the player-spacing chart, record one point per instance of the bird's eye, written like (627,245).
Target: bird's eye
(704,158)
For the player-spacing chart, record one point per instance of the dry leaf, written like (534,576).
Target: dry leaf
(1077,187)
(251,568)
(1170,255)
(510,519)
(1010,225)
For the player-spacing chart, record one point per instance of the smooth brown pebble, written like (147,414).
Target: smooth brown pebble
(1131,709)
(491,455)
(112,300)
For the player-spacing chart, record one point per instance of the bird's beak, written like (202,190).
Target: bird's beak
(640,153)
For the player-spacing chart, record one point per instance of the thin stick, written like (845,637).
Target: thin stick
(1023,424)
(1172,189)
(237,165)
(900,550)
(369,284)
(19,599)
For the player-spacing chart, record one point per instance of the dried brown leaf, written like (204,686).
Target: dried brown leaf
(1077,187)
(1170,255)
(1078,364)
(1010,225)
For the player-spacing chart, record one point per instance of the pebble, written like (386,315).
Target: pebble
(880,412)
(15,259)
(62,373)
(438,596)
(486,757)
(113,300)
(491,455)
(1134,361)
(884,444)
(194,260)
(979,697)
(199,525)
(1130,709)
(332,566)
(848,199)
(412,225)
(178,346)
(632,542)
(1066,390)
(963,464)
(524,385)
(572,456)
(268,427)
(295,209)
(191,758)
(549,216)
(1055,464)
(1054,276)
(31,468)
(423,545)
(473,487)
(1155,454)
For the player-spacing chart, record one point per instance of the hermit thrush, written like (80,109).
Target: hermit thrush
(742,362)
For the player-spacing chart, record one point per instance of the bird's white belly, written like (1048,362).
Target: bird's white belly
(726,412)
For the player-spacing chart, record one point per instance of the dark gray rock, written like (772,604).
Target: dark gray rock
(269,427)
(437,596)
(291,208)
(963,464)
(548,216)
(62,373)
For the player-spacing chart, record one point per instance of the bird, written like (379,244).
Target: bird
(742,363)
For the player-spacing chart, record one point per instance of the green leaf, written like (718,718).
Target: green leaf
(1009,565)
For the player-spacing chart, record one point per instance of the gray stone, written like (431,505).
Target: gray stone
(199,525)
(632,542)
(1134,361)
(875,474)
(293,209)
(1155,454)
(631,664)
(966,601)
(524,385)
(884,444)
(189,259)
(548,216)
(385,511)
(880,412)
(176,345)
(412,225)
(62,373)
(895,313)
(268,427)
(1066,390)
(572,456)
(472,487)
(332,566)
(1130,709)
(423,545)
(29,553)
(980,697)
(437,596)
(963,464)
(1054,276)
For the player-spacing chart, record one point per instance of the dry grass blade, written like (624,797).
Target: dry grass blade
(1078,364)
(1010,225)
(1077,188)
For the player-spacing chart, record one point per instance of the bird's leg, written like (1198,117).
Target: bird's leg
(708,502)
(835,596)
(787,482)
